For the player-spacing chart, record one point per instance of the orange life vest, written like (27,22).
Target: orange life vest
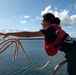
(51,48)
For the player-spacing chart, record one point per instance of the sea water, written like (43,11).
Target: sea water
(36,52)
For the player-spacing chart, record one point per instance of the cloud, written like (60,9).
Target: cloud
(66,19)
(32,20)
(47,9)
(23,22)
(72,34)
(56,8)
(38,18)
(25,29)
(26,16)
(7,30)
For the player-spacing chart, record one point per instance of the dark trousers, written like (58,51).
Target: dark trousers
(71,68)
(70,52)
(71,65)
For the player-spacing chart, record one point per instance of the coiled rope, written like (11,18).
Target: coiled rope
(6,43)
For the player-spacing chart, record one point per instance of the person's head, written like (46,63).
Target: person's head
(48,19)
(57,21)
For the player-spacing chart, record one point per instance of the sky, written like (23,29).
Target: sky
(26,15)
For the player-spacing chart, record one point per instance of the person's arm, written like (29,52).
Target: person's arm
(25,34)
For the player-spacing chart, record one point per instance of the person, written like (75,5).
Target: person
(55,39)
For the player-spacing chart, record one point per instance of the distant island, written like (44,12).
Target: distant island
(35,38)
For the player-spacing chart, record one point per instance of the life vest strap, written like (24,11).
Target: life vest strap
(62,40)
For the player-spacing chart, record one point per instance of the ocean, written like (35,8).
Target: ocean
(36,52)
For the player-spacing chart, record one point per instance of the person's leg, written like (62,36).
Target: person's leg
(71,69)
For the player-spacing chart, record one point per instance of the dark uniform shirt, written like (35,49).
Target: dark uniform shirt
(51,35)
